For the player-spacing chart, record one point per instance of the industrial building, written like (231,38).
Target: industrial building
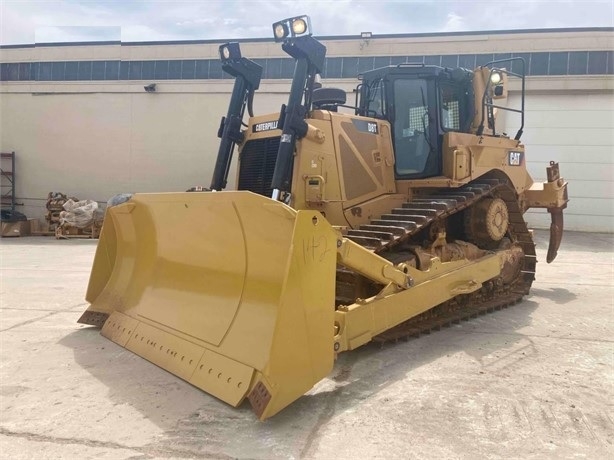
(96,119)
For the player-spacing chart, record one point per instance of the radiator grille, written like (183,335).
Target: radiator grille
(257,163)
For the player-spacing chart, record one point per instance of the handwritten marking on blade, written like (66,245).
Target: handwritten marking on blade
(315,249)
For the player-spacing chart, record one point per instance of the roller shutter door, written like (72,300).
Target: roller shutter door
(577,130)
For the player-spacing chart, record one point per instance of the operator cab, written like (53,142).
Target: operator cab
(421,103)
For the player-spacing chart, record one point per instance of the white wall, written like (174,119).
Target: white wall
(577,130)
(96,145)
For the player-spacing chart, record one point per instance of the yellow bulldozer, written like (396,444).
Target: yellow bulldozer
(350,224)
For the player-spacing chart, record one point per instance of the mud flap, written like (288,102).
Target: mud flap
(230,291)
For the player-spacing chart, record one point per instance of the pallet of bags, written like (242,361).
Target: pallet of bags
(79,219)
(55,205)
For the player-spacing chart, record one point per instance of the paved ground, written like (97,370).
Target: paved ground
(533,381)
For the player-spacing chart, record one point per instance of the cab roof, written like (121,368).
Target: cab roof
(421,70)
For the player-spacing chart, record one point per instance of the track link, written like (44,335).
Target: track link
(401,224)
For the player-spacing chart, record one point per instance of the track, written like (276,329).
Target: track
(382,235)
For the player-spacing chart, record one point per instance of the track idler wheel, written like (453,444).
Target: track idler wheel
(487,222)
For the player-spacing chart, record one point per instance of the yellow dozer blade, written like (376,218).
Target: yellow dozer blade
(231,291)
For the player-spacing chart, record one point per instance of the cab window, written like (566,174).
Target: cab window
(376,107)
(450,107)
(411,127)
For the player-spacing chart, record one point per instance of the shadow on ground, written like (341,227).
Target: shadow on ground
(559,296)
(198,424)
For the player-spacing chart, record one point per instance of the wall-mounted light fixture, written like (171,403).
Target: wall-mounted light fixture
(366,36)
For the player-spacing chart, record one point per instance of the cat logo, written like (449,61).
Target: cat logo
(515,158)
(266,126)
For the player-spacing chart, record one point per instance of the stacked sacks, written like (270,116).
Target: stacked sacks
(80,218)
(78,214)
(55,205)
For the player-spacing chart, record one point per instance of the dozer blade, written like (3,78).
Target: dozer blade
(231,291)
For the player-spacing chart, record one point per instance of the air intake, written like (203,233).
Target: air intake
(256,165)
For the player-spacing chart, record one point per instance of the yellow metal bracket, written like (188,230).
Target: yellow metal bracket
(369,264)
(357,324)
(553,196)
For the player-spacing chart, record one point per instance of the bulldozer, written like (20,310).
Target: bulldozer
(349,224)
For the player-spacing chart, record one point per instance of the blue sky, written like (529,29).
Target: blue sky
(24,21)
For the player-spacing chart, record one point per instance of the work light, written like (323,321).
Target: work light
(496,77)
(291,27)
(299,26)
(280,31)
(230,51)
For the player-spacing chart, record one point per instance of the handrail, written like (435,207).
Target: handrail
(489,105)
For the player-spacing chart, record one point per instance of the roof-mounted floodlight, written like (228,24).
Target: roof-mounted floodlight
(292,27)
(230,51)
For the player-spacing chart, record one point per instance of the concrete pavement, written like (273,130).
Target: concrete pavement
(532,381)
